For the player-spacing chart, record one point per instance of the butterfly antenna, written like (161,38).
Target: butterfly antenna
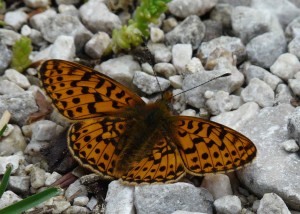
(223,75)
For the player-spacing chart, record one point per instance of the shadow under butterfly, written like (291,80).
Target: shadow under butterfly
(117,135)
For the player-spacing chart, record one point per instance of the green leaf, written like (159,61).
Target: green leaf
(21,51)
(5,179)
(31,201)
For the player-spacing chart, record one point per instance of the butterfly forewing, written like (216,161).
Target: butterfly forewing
(162,166)
(79,92)
(207,147)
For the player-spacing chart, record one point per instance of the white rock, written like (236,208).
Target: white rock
(294,84)
(81,200)
(177,196)
(44,130)
(283,94)
(258,91)
(63,48)
(272,203)
(17,77)
(25,30)
(77,188)
(77,209)
(218,185)
(37,177)
(147,68)
(68,9)
(15,160)
(92,203)
(41,19)
(13,143)
(52,178)
(119,198)
(190,7)
(235,119)
(182,54)
(286,66)
(248,23)
(156,35)
(8,198)
(188,112)
(178,100)
(294,47)
(60,204)
(160,52)
(290,146)
(297,75)
(186,212)
(121,69)
(229,204)
(150,84)
(97,17)
(9,87)
(166,69)
(37,3)
(176,81)
(15,19)
(97,45)
(19,184)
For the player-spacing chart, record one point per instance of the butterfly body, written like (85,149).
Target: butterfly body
(117,135)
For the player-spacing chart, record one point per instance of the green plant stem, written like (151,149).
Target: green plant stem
(5,179)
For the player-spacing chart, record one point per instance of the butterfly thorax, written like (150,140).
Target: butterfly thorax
(147,125)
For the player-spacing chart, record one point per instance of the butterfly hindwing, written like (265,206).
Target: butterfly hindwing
(164,165)
(79,92)
(93,143)
(208,147)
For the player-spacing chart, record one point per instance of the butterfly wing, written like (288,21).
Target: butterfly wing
(208,147)
(93,143)
(164,165)
(79,92)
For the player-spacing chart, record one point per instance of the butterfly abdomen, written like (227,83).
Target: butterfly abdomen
(148,125)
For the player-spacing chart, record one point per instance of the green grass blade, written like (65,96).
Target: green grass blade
(5,179)
(31,201)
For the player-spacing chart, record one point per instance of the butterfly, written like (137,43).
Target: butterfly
(117,135)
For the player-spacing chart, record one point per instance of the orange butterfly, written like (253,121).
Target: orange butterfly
(117,135)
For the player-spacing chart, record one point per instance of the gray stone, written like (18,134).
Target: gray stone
(182,55)
(186,212)
(253,71)
(8,198)
(42,19)
(160,52)
(292,31)
(213,29)
(272,203)
(119,198)
(274,168)
(283,94)
(9,88)
(96,17)
(236,2)
(294,125)
(92,203)
(97,45)
(186,8)
(19,184)
(5,56)
(260,47)
(154,199)
(75,188)
(150,84)
(237,118)
(259,92)
(284,10)
(189,31)
(248,23)
(286,66)
(13,143)
(166,69)
(222,14)
(9,37)
(68,9)
(63,48)
(231,44)
(67,2)
(229,204)
(290,145)
(218,185)
(17,77)
(294,84)
(15,19)
(44,130)
(121,69)
(21,106)
(294,47)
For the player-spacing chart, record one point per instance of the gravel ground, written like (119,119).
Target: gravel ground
(257,42)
